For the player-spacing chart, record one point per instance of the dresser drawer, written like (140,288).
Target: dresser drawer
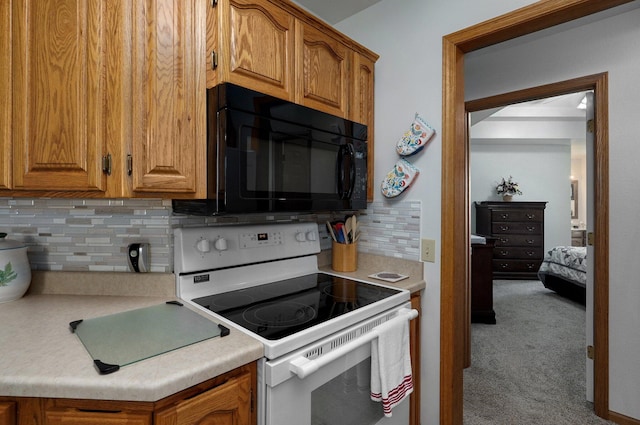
(506,252)
(519,240)
(516,228)
(529,266)
(518,215)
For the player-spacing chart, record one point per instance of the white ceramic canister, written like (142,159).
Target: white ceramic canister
(15,272)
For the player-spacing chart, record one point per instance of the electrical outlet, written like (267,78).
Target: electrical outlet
(428,250)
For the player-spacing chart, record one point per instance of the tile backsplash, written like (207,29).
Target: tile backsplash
(93,234)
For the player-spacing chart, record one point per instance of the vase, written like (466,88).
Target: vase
(507,198)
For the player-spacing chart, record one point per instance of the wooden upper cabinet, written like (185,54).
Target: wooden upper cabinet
(58,94)
(169,122)
(250,43)
(229,404)
(362,107)
(5,96)
(322,71)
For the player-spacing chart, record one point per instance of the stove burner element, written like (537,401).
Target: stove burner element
(279,314)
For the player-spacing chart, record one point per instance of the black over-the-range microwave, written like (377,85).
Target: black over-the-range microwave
(266,154)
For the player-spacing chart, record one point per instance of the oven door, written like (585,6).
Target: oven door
(337,392)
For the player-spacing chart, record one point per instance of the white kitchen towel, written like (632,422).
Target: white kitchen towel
(391,377)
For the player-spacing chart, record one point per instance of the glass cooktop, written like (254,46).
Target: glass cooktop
(279,309)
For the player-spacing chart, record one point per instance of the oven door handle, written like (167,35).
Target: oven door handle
(304,367)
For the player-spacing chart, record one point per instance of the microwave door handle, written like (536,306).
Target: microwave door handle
(346,171)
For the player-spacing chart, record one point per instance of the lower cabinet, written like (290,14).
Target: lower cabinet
(225,400)
(414,335)
(74,417)
(7,413)
(229,404)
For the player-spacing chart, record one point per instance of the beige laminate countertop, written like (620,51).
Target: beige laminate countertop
(40,357)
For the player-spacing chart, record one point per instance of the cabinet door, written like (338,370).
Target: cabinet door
(362,108)
(5,95)
(169,123)
(322,66)
(58,94)
(7,413)
(228,404)
(254,43)
(79,417)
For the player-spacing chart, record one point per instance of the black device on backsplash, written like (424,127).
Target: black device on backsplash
(266,154)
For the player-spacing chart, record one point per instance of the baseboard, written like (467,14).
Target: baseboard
(622,419)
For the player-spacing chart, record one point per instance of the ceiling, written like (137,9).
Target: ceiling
(334,11)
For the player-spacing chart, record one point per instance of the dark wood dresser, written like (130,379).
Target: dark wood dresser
(482,282)
(519,231)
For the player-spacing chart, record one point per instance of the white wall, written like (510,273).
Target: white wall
(407,34)
(609,45)
(542,171)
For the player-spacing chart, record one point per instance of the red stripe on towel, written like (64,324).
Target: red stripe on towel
(396,395)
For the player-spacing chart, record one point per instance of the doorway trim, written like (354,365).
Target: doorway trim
(599,84)
(455,193)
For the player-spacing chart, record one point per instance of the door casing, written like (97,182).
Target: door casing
(455,194)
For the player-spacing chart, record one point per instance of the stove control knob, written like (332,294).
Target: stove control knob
(301,237)
(203,245)
(220,244)
(311,235)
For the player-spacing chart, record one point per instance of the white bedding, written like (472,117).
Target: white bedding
(566,262)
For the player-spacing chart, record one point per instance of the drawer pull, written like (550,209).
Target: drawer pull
(505,216)
(504,228)
(531,253)
(531,228)
(504,253)
(531,216)
(531,266)
(504,240)
(529,241)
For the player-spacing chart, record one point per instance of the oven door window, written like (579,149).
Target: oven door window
(274,160)
(346,400)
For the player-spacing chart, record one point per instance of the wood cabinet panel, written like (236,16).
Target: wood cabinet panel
(7,413)
(254,44)
(5,95)
(414,335)
(78,417)
(169,122)
(322,70)
(58,94)
(229,404)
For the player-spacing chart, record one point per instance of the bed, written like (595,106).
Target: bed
(564,270)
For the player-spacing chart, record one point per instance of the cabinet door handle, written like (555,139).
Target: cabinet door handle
(106,164)
(214,60)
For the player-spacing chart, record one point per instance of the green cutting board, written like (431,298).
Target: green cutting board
(124,338)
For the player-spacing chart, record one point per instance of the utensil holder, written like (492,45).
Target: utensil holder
(344,257)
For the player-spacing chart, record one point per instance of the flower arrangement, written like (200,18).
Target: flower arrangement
(508,187)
